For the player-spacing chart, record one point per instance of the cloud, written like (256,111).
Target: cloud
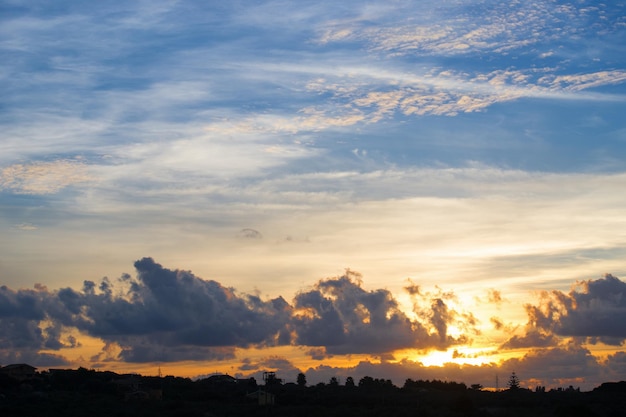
(285,369)
(466,28)
(248,233)
(554,367)
(145,353)
(435,309)
(169,315)
(532,338)
(43,177)
(550,367)
(594,310)
(378,93)
(27,327)
(615,366)
(28,227)
(493,296)
(162,315)
(173,314)
(341,316)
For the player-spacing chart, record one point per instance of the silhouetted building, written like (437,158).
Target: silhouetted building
(262,397)
(19,371)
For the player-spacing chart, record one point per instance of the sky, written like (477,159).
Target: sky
(398,189)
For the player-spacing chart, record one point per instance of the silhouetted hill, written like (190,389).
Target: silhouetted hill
(616,387)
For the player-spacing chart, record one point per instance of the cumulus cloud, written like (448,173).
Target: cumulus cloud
(169,315)
(164,315)
(26,327)
(161,315)
(339,314)
(173,314)
(435,309)
(594,311)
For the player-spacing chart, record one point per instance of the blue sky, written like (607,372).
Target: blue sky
(468,145)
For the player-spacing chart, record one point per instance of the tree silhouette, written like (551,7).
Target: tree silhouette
(513,382)
(366,381)
(333,382)
(349,381)
(301,379)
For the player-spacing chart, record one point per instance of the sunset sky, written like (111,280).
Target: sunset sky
(400,189)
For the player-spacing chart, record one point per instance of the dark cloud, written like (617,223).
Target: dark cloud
(168,315)
(161,315)
(25,304)
(344,318)
(283,367)
(615,367)
(594,311)
(439,318)
(318,353)
(559,366)
(248,365)
(157,353)
(598,309)
(173,315)
(532,338)
(21,335)
(250,234)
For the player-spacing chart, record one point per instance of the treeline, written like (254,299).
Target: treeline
(436,385)
(100,393)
